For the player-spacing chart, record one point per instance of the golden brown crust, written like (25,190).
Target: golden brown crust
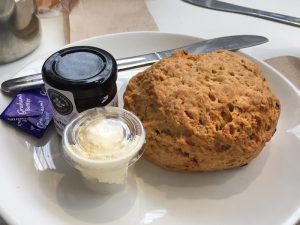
(203,112)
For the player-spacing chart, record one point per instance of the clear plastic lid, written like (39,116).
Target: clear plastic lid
(105,135)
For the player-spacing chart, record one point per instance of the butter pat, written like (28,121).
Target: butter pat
(102,142)
(102,139)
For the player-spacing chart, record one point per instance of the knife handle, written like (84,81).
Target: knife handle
(22,83)
(258,13)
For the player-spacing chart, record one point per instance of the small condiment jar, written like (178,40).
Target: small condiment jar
(79,78)
(103,142)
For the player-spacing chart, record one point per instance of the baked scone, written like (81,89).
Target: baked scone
(203,112)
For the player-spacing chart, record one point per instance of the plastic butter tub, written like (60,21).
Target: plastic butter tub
(102,142)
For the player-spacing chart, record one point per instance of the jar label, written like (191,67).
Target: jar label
(64,107)
(60,102)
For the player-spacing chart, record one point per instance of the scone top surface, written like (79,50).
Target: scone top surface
(203,112)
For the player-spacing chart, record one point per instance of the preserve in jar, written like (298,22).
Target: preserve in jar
(79,78)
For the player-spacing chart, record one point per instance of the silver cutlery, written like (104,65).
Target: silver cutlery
(231,43)
(224,6)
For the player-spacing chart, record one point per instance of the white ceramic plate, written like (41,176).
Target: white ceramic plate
(37,187)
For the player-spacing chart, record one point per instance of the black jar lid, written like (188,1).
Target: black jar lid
(80,68)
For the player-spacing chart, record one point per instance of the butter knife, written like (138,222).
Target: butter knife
(223,6)
(231,43)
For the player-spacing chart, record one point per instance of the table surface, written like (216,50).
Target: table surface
(176,16)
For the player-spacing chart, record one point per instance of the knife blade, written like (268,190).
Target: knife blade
(231,43)
(224,6)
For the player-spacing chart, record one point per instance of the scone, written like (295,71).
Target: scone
(203,112)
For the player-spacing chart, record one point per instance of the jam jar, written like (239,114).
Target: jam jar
(79,78)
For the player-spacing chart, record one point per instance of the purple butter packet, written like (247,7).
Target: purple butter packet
(43,120)
(27,103)
(29,111)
